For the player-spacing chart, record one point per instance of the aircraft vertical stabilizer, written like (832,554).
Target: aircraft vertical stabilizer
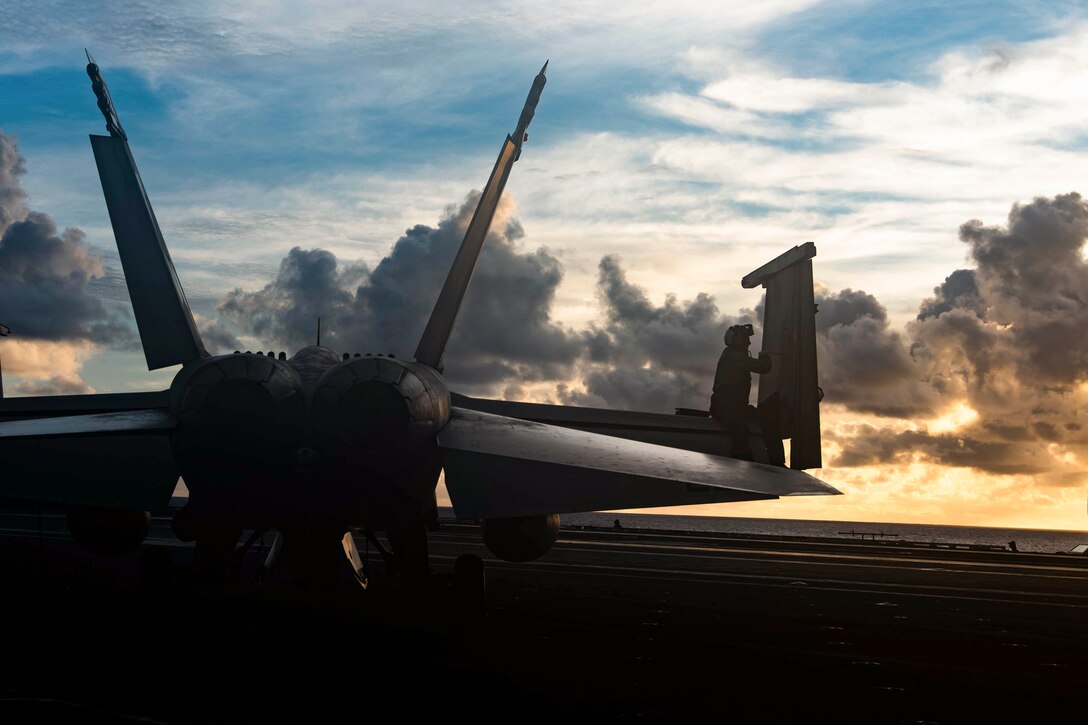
(789,335)
(167,330)
(437,334)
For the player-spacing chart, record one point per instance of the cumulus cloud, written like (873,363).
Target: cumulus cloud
(504,333)
(42,358)
(44,367)
(864,365)
(1015,323)
(44,272)
(650,357)
(1005,340)
(870,445)
(217,338)
(991,374)
(1035,278)
(640,355)
(958,291)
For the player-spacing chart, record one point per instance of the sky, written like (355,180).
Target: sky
(322,158)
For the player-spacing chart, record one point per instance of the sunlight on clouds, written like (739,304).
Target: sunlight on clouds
(957,417)
(1062,454)
(837,421)
(41,367)
(40,359)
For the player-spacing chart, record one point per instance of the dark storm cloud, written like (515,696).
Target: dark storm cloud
(650,357)
(44,272)
(653,390)
(1006,339)
(863,364)
(847,307)
(504,333)
(217,339)
(1022,327)
(1035,279)
(959,290)
(682,337)
(871,446)
(308,285)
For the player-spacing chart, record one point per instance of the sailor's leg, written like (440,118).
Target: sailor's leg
(768,415)
(739,445)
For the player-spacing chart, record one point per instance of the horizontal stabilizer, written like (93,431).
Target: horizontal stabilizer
(499,467)
(111,460)
(167,330)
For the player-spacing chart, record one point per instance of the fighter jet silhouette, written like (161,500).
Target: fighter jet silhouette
(318,443)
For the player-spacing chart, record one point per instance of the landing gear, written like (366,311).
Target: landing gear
(410,554)
(271,559)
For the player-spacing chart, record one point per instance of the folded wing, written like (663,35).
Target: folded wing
(499,467)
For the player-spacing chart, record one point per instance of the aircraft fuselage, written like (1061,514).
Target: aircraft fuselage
(317,437)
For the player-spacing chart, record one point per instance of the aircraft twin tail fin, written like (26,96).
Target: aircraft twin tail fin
(167,329)
(437,333)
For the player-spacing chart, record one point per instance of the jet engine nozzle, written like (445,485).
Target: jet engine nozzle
(374,409)
(240,420)
(243,394)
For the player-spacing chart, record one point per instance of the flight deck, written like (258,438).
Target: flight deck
(609,626)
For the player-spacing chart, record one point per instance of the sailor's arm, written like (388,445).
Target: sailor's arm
(762,364)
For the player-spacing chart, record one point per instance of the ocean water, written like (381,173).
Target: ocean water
(1035,540)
